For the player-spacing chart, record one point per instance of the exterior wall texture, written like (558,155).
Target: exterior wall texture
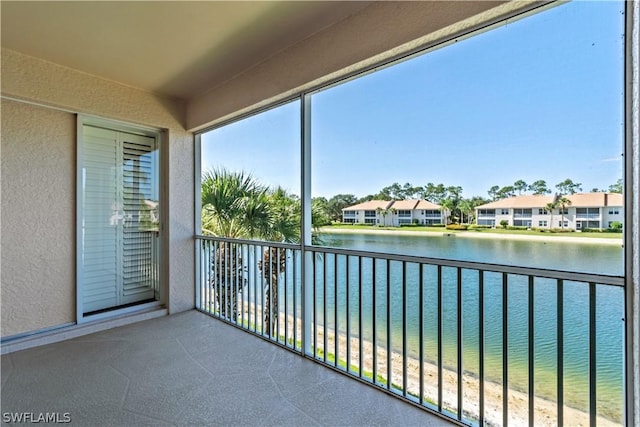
(38,170)
(38,220)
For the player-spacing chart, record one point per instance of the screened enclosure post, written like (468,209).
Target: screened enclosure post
(197,214)
(305,221)
(632,213)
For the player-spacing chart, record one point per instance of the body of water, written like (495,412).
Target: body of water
(579,257)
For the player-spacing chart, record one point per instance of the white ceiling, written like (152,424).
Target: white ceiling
(176,48)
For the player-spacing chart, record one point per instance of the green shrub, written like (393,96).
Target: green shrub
(479,227)
(515,227)
(562,230)
(504,223)
(615,225)
(602,230)
(457,227)
(435,225)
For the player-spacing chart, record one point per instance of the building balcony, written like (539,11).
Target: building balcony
(587,216)
(522,216)
(188,369)
(396,323)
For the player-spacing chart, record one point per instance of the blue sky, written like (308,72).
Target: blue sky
(540,98)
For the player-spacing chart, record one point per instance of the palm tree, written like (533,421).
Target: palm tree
(562,202)
(236,205)
(233,205)
(285,215)
(466,207)
(550,207)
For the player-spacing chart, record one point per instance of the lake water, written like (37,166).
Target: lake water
(580,257)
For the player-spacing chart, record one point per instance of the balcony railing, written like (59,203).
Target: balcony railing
(522,216)
(587,216)
(479,343)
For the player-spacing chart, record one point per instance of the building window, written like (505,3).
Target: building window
(504,211)
(542,212)
(542,223)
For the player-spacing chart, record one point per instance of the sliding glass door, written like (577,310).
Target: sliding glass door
(118,219)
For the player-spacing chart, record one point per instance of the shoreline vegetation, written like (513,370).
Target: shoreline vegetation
(610,239)
(545,410)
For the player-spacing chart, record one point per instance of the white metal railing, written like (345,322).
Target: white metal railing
(587,216)
(465,339)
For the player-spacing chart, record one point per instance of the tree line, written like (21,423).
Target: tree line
(450,197)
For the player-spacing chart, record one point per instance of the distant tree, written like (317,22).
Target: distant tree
(473,203)
(433,193)
(370,197)
(617,187)
(320,211)
(493,192)
(539,188)
(466,207)
(568,187)
(391,192)
(520,186)
(506,192)
(452,201)
(597,190)
(339,202)
(410,192)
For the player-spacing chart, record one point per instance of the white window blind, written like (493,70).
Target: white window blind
(119,219)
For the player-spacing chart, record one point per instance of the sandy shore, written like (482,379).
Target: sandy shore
(545,411)
(544,237)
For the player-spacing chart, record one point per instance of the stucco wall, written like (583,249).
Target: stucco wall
(38,221)
(26,134)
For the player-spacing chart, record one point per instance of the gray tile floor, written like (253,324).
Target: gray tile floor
(190,369)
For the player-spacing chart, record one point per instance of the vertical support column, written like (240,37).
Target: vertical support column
(305,221)
(197,211)
(632,212)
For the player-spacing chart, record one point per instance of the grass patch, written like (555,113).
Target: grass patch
(440,230)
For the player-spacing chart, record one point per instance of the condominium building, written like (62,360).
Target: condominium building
(394,213)
(582,211)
